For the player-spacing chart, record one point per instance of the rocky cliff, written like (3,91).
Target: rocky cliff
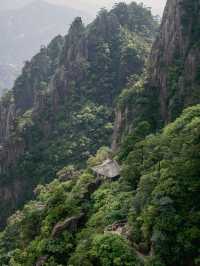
(175,58)
(60,110)
(171,81)
(26,26)
(59,115)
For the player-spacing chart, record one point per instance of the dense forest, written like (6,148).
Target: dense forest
(118,90)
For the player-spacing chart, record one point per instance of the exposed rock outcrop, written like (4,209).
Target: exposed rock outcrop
(121,125)
(7,116)
(71,224)
(44,121)
(175,58)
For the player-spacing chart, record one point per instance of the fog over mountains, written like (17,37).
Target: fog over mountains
(94,5)
(26,26)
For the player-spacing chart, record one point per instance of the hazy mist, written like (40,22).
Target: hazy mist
(157,5)
(90,6)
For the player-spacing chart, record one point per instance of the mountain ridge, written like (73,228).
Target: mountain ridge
(20,43)
(74,98)
(73,80)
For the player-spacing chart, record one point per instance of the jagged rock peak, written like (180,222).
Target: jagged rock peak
(70,82)
(77,27)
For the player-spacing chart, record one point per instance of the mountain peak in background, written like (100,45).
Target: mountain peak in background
(26,29)
(104,85)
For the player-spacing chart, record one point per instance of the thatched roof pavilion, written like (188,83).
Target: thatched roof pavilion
(109,169)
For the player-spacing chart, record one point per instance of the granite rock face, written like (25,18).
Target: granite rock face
(71,224)
(175,58)
(172,81)
(42,118)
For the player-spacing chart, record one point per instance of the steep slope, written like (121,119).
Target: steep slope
(172,80)
(8,74)
(61,108)
(175,58)
(163,169)
(26,29)
(149,217)
(13,127)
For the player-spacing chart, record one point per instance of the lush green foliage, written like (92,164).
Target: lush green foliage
(28,235)
(148,217)
(165,170)
(64,102)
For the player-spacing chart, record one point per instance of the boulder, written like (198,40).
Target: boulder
(71,224)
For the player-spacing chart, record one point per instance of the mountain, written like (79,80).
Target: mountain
(26,29)
(8,74)
(172,81)
(175,59)
(64,99)
(135,204)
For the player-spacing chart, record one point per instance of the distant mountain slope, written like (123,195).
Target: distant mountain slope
(27,28)
(8,73)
